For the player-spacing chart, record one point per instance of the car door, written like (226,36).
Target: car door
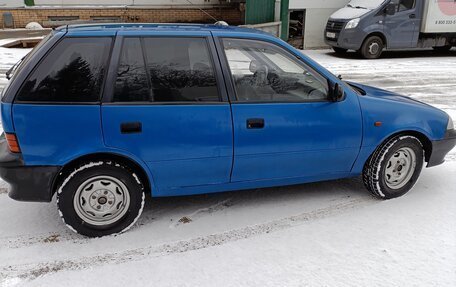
(403,27)
(167,108)
(284,125)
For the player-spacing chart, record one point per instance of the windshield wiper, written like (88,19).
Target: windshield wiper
(356,7)
(13,68)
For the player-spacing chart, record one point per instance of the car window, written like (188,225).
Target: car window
(263,72)
(132,84)
(406,5)
(180,70)
(72,72)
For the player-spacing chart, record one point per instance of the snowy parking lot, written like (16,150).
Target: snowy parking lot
(320,234)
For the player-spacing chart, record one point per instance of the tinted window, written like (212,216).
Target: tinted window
(265,72)
(132,84)
(180,70)
(72,72)
(406,5)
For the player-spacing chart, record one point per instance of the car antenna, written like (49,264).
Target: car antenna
(339,76)
(213,18)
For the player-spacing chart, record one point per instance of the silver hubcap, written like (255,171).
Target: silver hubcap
(374,48)
(400,168)
(101,200)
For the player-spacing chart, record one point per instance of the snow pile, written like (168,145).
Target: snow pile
(33,26)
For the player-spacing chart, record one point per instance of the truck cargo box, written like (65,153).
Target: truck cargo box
(439,16)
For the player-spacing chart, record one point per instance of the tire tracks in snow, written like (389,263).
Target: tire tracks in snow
(19,241)
(32,271)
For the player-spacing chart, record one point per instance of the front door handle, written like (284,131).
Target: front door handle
(255,123)
(412,16)
(131,128)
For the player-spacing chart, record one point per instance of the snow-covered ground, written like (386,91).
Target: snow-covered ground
(8,57)
(321,234)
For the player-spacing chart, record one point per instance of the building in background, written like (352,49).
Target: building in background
(314,15)
(52,13)
(300,22)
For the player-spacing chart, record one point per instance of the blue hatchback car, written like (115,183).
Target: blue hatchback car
(103,115)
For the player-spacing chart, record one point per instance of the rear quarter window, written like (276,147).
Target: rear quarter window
(72,71)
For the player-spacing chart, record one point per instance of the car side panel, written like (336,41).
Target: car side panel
(54,134)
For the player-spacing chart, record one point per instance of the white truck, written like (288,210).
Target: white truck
(370,26)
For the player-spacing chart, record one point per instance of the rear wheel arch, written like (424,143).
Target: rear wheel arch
(125,161)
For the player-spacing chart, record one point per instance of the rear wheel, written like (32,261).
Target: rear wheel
(394,167)
(340,50)
(372,48)
(100,198)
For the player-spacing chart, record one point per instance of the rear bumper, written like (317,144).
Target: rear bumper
(440,148)
(27,183)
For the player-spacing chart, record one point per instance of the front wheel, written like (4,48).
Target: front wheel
(372,48)
(394,167)
(100,198)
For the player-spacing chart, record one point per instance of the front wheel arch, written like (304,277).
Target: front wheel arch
(378,34)
(123,160)
(425,142)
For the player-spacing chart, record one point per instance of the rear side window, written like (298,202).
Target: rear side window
(174,70)
(72,72)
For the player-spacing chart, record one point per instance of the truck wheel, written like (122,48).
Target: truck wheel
(394,167)
(100,198)
(442,49)
(372,48)
(340,51)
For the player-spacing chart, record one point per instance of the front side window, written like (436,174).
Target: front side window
(404,5)
(157,69)
(263,72)
(72,72)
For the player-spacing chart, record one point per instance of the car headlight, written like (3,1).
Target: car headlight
(450,125)
(352,24)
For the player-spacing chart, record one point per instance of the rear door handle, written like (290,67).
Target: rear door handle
(255,123)
(131,128)
(412,16)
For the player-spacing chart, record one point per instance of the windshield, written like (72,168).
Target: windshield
(365,4)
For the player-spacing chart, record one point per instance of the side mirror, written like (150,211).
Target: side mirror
(390,9)
(336,93)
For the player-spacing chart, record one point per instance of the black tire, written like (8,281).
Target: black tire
(374,176)
(73,184)
(442,49)
(340,51)
(372,48)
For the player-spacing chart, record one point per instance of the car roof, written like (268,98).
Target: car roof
(157,27)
